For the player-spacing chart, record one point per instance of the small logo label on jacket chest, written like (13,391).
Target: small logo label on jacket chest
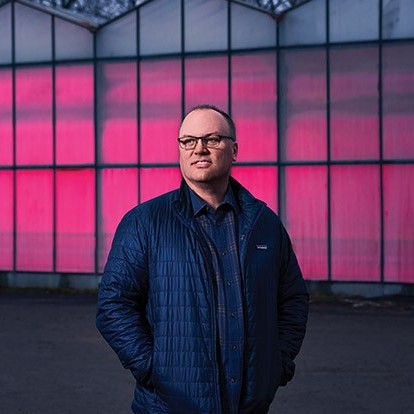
(261,246)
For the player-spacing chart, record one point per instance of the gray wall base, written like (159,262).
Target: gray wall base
(91,282)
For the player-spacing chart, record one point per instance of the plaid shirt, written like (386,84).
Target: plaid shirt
(219,229)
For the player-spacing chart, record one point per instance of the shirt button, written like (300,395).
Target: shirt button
(233,314)
(234,347)
(228,283)
(233,380)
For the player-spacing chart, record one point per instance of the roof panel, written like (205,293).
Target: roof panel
(93,14)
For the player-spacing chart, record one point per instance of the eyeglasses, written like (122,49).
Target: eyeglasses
(210,141)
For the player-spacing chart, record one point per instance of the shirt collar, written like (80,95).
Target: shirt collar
(200,206)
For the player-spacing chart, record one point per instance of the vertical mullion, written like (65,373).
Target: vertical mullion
(138,86)
(278,122)
(14,135)
(328,137)
(96,154)
(54,219)
(229,59)
(381,148)
(182,28)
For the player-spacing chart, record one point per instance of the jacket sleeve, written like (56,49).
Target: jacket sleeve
(122,299)
(293,306)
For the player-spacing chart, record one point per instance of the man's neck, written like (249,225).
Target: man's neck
(213,195)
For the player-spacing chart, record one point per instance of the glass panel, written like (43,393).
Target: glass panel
(117,112)
(399,223)
(74,114)
(6,220)
(72,42)
(205,25)
(157,181)
(353,20)
(118,38)
(6,117)
(355,222)
(33,34)
(118,194)
(398,19)
(303,116)
(34,217)
(75,214)
(206,81)
(398,101)
(354,103)
(260,181)
(304,25)
(160,27)
(254,106)
(34,116)
(251,29)
(5,34)
(160,110)
(306,212)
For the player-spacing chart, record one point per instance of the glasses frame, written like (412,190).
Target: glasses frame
(205,140)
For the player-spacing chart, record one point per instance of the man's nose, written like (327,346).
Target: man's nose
(201,146)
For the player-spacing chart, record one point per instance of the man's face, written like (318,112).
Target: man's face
(203,166)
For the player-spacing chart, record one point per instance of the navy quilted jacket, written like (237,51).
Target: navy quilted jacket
(156,306)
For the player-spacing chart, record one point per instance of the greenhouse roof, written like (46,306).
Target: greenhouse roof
(93,14)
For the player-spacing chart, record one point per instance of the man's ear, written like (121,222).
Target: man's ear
(235,151)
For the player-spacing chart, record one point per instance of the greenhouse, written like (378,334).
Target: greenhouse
(322,95)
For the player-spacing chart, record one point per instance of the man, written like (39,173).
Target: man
(202,297)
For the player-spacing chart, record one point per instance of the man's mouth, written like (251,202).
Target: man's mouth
(201,162)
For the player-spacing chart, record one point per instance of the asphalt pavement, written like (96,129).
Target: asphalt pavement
(357,357)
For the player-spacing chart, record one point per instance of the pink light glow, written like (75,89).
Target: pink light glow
(254,106)
(6,124)
(206,81)
(260,181)
(34,220)
(156,181)
(306,212)
(34,116)
(117,126)
(160,110)
(74,114)
(6,220)
(355,223)
(119,193)
(75,213)
(399,223)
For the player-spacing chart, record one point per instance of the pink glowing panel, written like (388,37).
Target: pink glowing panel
(398,101)
(6,220)
(34,217)
(118,194)
(6,123)
(260,181)
(306,212)
(254,106)
(117,113)
(303,107)
(206,81)
(399,223)
(160,110)
(354,103)
(74,114)
(75,214)
(355,211)
(34,130)
(156,181)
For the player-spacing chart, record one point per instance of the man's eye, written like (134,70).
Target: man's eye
(214,140)
(189,141)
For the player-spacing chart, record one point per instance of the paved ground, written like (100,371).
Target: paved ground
(358,357)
